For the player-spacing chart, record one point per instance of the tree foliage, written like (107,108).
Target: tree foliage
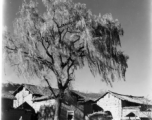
(65,38)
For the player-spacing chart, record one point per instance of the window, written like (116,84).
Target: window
(70,115)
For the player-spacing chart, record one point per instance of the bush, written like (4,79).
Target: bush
(46,113)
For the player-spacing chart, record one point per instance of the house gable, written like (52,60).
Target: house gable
(120,105)
(23,96)
(111,103)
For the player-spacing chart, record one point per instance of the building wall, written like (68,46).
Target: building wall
(126,111)
(25,96)
(112,104)
(78,113)
(22,96)
(7,104)
(88,108)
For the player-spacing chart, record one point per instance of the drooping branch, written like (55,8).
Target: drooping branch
(55,20)
(50,87)
(12,49)
(47,52)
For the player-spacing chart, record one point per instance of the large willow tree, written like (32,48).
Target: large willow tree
(65,38)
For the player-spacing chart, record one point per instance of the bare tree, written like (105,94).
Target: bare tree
(65,38)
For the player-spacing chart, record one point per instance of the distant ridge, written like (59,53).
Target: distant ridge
(10,87)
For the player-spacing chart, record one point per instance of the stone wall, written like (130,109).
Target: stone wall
(112,104)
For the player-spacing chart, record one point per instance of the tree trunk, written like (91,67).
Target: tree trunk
(57,109)
(59,100)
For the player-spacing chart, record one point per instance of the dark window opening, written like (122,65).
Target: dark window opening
(70,115)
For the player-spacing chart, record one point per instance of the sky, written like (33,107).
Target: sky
(135,18)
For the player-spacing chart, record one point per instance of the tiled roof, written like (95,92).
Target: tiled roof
(37,90)
(42,98)
(46,93)
(85,96)
(7,95)
(133,99)
(89,96)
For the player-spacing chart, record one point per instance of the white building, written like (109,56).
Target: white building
(121,106)
(27,93)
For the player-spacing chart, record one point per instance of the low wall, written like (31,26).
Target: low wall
(98,116)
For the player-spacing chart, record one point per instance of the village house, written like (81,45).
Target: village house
(125,106)
(26,93)
(7,110)
(7,96)
(78,106)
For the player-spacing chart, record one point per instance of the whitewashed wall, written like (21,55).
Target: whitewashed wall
(25,96)
(112,104)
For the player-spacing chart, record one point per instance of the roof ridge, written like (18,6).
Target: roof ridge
(31,85)
(38,86)
(125,95)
